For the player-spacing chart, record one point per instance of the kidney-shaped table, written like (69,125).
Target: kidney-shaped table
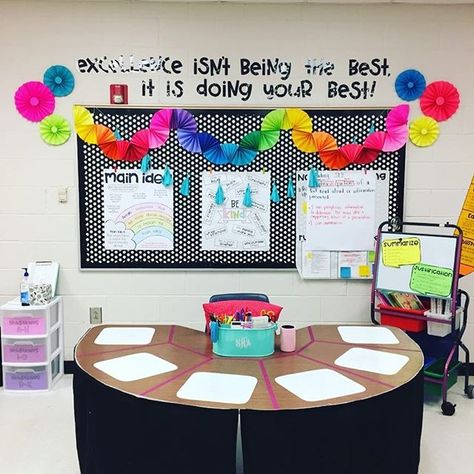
(154,398)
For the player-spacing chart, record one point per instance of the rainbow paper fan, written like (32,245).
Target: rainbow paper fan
(34,101)
(55,130)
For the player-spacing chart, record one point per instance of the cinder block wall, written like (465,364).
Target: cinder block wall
(437,40)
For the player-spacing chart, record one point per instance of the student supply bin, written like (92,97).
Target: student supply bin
(243,342)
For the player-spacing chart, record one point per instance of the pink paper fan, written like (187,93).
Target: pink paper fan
(351,151)
(397,117)
(375,141)
(34,101)
(139,145)
(440,100)
(160,127)
(367,155)
(395,138)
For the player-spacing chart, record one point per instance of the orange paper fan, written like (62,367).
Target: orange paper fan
(334,159)
(324,141)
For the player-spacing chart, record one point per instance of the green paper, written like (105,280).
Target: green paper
(251,141)
(268,139)
(431,280)
(273,120)
(55,130)
(371,256)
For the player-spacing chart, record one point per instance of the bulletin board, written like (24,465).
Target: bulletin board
(282,161)
(416,263)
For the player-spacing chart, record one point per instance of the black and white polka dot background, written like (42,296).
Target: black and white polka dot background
(227,125)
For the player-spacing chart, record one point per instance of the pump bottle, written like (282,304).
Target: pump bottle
(25,289)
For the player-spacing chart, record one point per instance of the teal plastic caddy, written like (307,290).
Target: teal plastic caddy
(255,342)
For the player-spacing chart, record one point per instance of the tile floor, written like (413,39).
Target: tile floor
(37,433)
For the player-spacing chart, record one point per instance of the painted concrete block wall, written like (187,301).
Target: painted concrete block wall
(437,40)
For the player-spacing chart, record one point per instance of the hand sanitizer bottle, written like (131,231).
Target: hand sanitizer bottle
(25,289)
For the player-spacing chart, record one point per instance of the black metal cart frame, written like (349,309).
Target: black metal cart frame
(458,298)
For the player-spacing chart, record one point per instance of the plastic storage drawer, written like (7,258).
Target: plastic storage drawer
(25,378)
(25,350)
(32,321)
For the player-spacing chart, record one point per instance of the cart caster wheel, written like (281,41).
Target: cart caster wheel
(448,408)
(470,391)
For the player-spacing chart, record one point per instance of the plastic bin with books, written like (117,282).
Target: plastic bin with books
(392,303)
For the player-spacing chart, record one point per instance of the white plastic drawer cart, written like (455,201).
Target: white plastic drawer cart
(32,345)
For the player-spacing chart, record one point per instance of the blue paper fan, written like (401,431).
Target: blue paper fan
(167,177)
(216,156)
(275,195)
(247,202)
(410,84)
(189,141)
(290,189)
(184,189)
(219,198)
(229,150)
(59,80)
(117,134)
(243,156)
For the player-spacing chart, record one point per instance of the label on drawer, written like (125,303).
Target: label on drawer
(24,326)
(24,352)
(26,381)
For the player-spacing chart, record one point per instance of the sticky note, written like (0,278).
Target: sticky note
(364,271)
(371,256)
(431,280)
(345,272)
(402,251)
(309,255)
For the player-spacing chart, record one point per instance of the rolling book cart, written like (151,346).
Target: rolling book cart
(415,288)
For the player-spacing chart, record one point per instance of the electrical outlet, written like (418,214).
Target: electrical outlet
(95,315)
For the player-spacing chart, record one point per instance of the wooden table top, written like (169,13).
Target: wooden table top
(318,347)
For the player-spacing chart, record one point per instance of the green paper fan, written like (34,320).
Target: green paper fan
(54,129)
(268,139)
(273,120)
(251,141)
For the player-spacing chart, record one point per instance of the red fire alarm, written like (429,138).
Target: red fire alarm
(118,94)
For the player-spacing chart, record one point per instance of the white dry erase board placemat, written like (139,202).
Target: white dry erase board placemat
(385,363)
(219,388)
(125,336)
(367,335)
(135,366)
(319,384)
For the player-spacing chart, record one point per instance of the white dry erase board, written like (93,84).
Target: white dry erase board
(416,263)
(227,126)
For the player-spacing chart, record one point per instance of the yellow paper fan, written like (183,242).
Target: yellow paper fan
(304,141)
(297,119)
(84,124)
(423,131)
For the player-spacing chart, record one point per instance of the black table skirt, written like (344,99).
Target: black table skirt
(117,433)
(380,435)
